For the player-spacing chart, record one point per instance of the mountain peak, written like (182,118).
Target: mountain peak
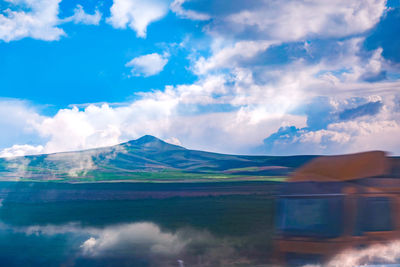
(147,139)
(152,143)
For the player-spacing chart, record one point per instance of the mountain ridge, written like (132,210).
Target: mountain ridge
(149,159)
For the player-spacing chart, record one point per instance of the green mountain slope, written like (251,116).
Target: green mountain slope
(147,159)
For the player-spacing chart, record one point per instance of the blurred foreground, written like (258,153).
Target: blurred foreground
(334,205)
(333,211)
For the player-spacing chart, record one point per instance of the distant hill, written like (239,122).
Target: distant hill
(147,159)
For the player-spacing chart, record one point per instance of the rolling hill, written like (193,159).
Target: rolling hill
(147,159)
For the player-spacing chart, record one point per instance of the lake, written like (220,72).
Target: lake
(221,224)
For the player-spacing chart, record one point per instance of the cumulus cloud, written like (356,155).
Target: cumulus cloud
(148,65)
(15,120)
(80,16)
(21,150)
(137,14)
(256,111)
(371,126)
(297,20)
(39,20)
(229,56)
(164,114)
(268,33)
(242,95)
(112,239)
(333,65)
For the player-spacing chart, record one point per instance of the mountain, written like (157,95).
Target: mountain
(146,159)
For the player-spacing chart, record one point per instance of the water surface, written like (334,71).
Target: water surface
(205,225)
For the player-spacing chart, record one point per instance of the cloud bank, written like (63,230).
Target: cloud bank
(272,78)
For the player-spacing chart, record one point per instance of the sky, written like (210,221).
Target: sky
(246,77)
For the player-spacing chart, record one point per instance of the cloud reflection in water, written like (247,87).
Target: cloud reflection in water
(142,242)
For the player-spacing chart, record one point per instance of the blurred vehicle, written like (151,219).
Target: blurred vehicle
(337,202)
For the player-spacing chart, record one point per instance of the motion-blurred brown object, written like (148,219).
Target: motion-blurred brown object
(335,203)
(343,168)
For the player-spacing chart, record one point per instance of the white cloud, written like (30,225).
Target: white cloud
(256,112)
(137,14)
(93,127)
(365,135)
(260,97)
(143,241)
(255,84)
(256,109)
(16,117)
(148,65)
(371,131)
(386,254)
(297,20)
(229,55)
(146,235)
(21,150)
(39,20)
(176,7)
(163,114)
(80,16)
(125,239)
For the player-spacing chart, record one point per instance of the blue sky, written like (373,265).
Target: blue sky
(248,77)
(88,65)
